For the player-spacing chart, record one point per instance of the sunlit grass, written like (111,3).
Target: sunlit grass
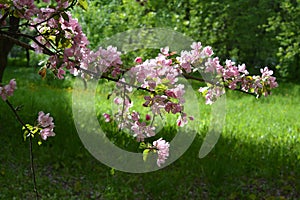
(257,155)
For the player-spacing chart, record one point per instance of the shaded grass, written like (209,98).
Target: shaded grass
(257,156)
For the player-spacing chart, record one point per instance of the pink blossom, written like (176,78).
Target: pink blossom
(148,117)
(110,56)
(142,131)
(185,61)
(60,73)
(47,132)
(207,52)
(268,78)
(183,120)
(165,51)
(116,71)
(196,46)
(135,116)
(45,120)
(173,107)
(61,4)
(148,101)
(69,52)
(212,93)
(230,70)
(162,150)
(179,92)
(3,94)
(3,6)
(29,8)
(138,60)
(272,82)
(242,69)
(8,90)
(118,100)
(213,65)
(170,93)
(106,117)
(158,103)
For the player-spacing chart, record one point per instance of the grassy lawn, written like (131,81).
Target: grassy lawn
(257,156)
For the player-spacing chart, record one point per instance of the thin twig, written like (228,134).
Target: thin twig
(30,147)
(99,76)
(32,168)
(187,76)
(4,17)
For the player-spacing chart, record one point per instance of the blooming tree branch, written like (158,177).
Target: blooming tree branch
(59,35)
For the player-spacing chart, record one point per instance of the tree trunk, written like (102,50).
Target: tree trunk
(6,45)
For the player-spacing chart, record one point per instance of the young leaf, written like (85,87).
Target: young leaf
(83,4)
(145,154)
(25,135)
(142,145)
(112,171)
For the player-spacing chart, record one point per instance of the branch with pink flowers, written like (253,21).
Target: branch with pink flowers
(43,128)
(60,36)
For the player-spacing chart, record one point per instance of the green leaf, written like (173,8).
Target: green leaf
(65,16)
(25,135)
(145,154)
(83,4)
(142,145)
(112,171)
(161,88)
(26,130)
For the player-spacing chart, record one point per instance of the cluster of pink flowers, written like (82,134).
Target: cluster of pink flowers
(8,90)
(61,36)
(162,148)
(72,42)
(131,120)
(161,76)
(25,8)
(45,122)
(231,76)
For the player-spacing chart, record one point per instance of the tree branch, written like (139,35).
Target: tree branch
(8,36)
(99,76)
(17,42)
(3,18)
(30,147)
(187,76)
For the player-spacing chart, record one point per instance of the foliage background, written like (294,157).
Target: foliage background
(257,33)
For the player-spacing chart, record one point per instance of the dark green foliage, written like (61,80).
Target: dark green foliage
(257,33)
(285,24)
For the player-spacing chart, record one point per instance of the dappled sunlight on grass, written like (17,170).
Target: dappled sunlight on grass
(257,155)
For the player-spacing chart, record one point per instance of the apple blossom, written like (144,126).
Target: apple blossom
(8,90)
(61,37)
(46,124)
(162,148)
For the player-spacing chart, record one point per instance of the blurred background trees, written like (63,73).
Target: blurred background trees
(255,32)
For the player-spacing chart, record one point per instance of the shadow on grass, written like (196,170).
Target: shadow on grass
(234,169)
(65,170)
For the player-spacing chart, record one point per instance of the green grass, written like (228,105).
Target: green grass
(257,156)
